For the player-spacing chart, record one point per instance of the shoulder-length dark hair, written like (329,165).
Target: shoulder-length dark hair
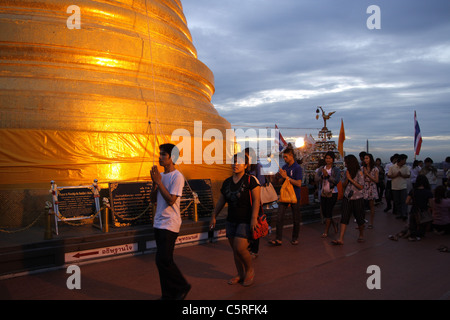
(422,181)
(371,161)
(352,165)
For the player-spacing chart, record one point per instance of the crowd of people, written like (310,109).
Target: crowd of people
(363,183)
(413,194)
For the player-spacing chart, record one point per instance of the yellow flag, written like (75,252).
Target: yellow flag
(341,139)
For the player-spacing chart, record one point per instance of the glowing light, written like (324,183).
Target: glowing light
(300,142)
(237,147)
(106,62)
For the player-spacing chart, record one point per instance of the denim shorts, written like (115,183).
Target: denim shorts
(238,230)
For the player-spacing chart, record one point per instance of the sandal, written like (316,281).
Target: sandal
(337,242)
(275,242)
(393,238)
(234,280)
(324,235)
(249,280)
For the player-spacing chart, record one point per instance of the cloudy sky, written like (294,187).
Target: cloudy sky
(276,61)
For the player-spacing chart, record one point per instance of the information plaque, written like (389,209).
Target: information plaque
(130,203)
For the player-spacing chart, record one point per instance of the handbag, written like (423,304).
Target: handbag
(268,194)
(423,216)
(263,227)
(287,193)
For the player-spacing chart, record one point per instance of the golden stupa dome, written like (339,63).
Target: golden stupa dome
(80,102)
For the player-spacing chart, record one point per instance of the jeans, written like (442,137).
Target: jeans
(296,219)
(172,281)
(400,206)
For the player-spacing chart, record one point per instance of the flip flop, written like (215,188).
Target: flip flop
(393,238)
(337,242)
(235,280)
(275,243)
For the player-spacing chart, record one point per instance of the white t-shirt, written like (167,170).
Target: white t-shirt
(168,217)
(326,183)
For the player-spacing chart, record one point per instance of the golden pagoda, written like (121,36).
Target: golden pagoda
(89,89)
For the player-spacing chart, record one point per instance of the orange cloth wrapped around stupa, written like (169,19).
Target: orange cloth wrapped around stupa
(85,103)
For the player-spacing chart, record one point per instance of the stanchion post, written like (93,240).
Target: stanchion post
(48,235)
(195,212)
(106,220)
(196,202)
(106,215)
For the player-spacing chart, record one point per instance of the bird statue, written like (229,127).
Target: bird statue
(325,117)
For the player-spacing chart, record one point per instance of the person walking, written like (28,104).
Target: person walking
(328,177)
(166,191)
(292,171)
(370,191)
(242,192)
(353,202)
(400,173)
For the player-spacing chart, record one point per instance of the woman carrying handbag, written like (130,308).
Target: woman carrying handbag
(242,193)
(328,178)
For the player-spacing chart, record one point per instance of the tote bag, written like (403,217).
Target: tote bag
(268,194)
(287,193)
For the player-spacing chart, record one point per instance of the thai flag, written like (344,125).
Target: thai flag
(417,136)
(281,142)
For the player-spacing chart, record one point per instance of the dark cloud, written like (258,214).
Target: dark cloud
(275,61)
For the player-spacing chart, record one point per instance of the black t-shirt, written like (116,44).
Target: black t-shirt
(237,195)
(420,198)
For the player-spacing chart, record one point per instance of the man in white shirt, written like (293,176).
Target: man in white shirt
(388,191)
(400,173)
(167,191)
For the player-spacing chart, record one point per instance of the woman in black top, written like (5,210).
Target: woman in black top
(242,218)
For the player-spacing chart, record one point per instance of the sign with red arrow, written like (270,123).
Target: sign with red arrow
(101,252)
